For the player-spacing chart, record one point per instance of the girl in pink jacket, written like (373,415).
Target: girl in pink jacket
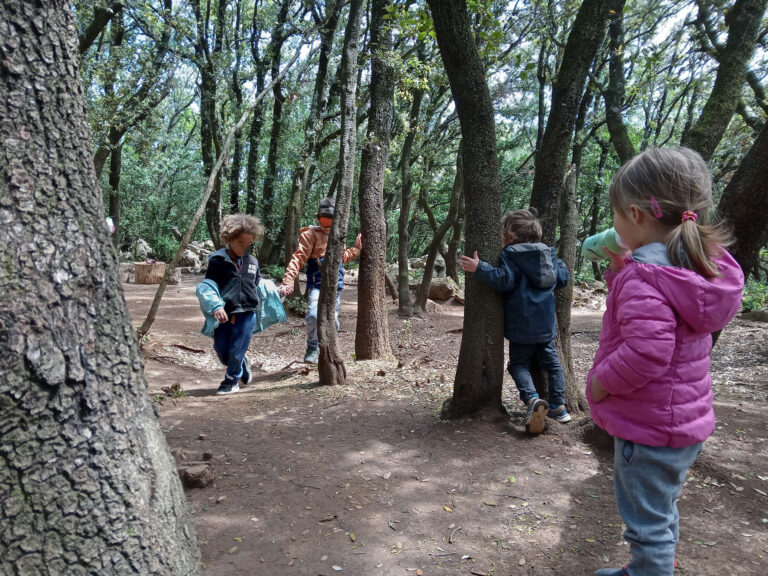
(649,386)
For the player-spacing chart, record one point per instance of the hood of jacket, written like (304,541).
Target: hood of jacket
(536,261)
(705,304)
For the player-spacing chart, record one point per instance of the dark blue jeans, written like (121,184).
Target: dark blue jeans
(519,367)
(230,341)
(648,480)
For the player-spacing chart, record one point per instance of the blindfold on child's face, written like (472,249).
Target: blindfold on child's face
(325,222)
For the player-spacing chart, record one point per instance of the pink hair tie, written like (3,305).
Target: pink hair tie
(690,215)
(655,208)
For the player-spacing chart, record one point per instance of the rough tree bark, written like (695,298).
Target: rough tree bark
(745,203)
(404,304)
(479,375)
(743,22)
(331,367)
(88,484)
(372,331)
(583,42)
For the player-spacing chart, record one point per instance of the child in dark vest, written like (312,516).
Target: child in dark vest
(236,274)
(313,241)
(527,276)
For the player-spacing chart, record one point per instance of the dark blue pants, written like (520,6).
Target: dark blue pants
(519,367)
(230,341)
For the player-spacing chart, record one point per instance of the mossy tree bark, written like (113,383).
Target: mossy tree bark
(479,374)
(743,21)
(87,485)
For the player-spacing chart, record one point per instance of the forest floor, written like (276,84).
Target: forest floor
(365,479)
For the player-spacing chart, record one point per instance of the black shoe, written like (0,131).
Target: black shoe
(247,375)
(228,386)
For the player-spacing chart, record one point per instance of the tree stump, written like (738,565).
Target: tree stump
(149,273)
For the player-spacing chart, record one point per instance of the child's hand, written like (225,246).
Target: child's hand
(286,289)
(596,390)
(359,242)
(220,315)
(617,260)
(469,264)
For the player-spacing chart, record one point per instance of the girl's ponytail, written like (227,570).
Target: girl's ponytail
(694,246)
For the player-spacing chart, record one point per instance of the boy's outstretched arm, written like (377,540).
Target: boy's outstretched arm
(501,279)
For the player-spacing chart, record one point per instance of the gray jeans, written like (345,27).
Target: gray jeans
(313,298)
(648,480)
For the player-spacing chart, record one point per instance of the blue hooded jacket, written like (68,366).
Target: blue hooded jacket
(527,276)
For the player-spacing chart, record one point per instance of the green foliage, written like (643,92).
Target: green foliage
(755,296)
(273,271)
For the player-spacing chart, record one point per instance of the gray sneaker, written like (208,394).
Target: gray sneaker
(311,355)
(536,416)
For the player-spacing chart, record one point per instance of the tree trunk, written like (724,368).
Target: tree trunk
(268,193)
(115,167)
(479,375)
(209,125)
(313,127)
(569,227)
(451,259)
(88,483)
(583,42)
(745,203)
(439,232)
(331,367)
(743,28)
(372,331)
(254,132)
(614,95)
(237,153)
(404,304)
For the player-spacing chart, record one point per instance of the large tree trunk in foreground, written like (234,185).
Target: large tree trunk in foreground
(745,204)
(331,367)
(480,371)
(583,42)
(372,332)
(88,484)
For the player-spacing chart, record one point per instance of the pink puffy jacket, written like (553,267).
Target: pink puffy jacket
(653,357)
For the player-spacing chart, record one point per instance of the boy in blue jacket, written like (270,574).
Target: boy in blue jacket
(236,274)
(527,276)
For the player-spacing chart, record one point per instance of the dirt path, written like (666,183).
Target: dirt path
(365,479)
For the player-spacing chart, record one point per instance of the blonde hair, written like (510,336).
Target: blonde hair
(666,183)
(521,226)
(235,224)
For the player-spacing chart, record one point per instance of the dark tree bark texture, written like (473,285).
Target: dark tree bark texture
(480,372)
(745,204)
(87,485)
(331,367)
(584,40)
(372,332)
